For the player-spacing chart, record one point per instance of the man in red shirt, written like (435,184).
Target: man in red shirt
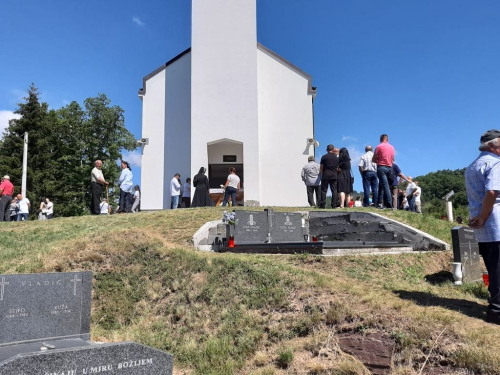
(6,191)
(384,157)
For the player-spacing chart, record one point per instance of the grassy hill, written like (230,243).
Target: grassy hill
(251,314)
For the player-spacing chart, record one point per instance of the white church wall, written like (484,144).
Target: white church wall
(153,127)
(285,124)
(177,123)
(217,151)
(224,82)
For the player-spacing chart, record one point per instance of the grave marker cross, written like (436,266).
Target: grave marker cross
(74,281)
(2,288)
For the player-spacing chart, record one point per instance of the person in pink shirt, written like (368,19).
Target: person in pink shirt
(6,191)
(384,156)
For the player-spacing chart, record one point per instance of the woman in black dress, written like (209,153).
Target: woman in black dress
(201,196)
(344,177)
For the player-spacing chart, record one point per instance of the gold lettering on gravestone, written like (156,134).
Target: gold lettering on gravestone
(69,372)
(17,313)
(60,309)
(110,367)
(136,363)
(41,283)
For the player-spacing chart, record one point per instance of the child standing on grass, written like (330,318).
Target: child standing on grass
(137,198)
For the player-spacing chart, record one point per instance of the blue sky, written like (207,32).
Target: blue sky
(425,72)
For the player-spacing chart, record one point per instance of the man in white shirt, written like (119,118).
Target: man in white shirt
(410,193)
(97,184)
(418,197)
(24,208)
(368,170)
(186,193)
(175,191)
(49,206)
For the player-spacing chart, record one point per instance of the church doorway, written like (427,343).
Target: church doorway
(222,155)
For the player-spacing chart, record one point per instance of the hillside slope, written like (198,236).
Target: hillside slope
(248,314)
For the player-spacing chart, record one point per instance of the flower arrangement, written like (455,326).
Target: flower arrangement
(228,217)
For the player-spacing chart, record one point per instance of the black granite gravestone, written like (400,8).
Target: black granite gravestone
(286,227)
(45,306)
(251,227)
(45,329)
(466,251)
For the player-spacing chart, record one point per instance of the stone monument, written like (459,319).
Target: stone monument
(45,330)
(466,252)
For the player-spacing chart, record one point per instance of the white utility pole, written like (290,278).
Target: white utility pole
(25,165)
(449,205)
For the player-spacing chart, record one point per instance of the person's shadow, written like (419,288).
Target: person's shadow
(469,308)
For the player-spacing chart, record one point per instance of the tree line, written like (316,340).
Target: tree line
(62,147)
(436,185)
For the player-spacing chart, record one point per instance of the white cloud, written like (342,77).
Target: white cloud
(355,154)
(5,116)
(134,158)
(349,138)
(137,21)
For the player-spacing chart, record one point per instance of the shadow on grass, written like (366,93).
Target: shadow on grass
(438,278)
(469,308)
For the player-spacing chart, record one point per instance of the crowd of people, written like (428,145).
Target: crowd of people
(380,174)
(130,194)
(17,207)
(201,196)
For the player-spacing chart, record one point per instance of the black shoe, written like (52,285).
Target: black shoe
(493,318)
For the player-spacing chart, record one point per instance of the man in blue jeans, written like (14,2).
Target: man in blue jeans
(368,171)
(175,191)
(384,157)
(395,183)
(24,208)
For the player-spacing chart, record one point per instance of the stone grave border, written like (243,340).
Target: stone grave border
(200,238)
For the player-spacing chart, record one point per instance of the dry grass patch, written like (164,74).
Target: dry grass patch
(231,314)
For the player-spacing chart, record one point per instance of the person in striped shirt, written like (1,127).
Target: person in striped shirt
(482,181)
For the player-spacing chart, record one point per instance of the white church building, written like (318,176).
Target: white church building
(227,101)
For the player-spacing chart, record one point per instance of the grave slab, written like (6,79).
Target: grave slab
(251,227)
(45,330)
(466,251)
(286,227)
(124,358)
(43,306)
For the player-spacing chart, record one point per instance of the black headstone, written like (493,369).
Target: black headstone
(466,251)
(251,227)
(45,330)
(42,306)
(124,358)
(286,227)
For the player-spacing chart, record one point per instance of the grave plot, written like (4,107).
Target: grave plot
(45,329)
(313,232)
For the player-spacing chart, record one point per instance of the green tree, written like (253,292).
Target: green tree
(34,118)
(436,185)
(63,145)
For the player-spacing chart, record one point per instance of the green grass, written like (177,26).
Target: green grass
(215,312)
